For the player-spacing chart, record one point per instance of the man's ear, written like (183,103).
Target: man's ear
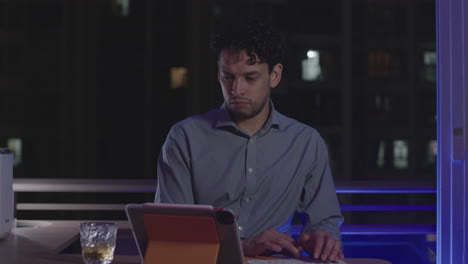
(276,74)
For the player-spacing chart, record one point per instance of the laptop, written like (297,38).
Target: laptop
(165,233)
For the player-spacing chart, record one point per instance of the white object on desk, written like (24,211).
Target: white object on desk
(6,192)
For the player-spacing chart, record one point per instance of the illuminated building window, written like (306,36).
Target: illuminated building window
(15,145)
(121,7)
(429,69)
(381,155)
(431,152)
(400,154)
(379,63)
(178,77)
(311,70)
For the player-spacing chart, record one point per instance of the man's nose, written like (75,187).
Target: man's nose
(237,87)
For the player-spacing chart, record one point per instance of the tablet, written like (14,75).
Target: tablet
(197,224)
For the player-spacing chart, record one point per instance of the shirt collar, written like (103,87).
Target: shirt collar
(224,119)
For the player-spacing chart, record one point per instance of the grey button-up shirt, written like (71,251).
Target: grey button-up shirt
(264,179)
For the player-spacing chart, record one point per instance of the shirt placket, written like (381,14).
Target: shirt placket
(251,180)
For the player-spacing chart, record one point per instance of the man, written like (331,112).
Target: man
(248,157)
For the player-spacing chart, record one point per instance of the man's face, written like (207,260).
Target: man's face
(246,88)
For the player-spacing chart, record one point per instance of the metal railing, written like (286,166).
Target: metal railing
(149,186)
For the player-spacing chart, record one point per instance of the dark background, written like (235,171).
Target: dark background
(86,87)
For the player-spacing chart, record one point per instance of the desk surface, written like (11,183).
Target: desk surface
(41,244)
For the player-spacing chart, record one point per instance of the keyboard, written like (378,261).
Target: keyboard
(291,261)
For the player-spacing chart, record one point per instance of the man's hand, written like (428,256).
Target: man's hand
(271,241)
(321,245)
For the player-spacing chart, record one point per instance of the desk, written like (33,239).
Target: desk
(41,244)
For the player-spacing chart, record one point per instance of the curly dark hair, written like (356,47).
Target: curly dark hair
(255,36)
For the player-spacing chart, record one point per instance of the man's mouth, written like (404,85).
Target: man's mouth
(238,103)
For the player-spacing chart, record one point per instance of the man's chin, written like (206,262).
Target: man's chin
(240,115)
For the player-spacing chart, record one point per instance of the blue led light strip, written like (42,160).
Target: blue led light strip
(420,191)
(389,208)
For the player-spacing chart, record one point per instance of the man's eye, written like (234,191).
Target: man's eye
(250,79)
(227,77)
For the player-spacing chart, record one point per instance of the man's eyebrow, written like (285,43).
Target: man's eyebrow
(252,73)
(226,72)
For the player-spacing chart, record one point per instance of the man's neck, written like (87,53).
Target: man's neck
(252,125)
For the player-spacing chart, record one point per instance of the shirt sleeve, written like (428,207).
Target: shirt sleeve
(174,184)
(319,205)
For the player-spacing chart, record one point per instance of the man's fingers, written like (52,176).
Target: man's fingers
(290,247)
(272,246)
(303,238)
(319,241)
(267,242)
(340,256)
(334,254)
(327,248)
(300,247)
(286,237)
(283,245)
(321,245)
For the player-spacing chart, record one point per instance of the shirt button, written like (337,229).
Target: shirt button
(247,199)
(241,228)
(250,170)
(252,141)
